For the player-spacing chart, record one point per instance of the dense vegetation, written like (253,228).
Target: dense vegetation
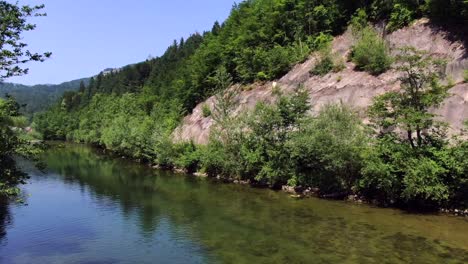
(134,110)
(13,54)
(38,98)
(403,159)
(13,142)
(259,41)
(371,53)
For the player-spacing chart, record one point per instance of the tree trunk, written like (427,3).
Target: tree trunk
(410,138)
(418,133)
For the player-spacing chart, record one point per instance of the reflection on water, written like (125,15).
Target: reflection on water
(4,219)
(89,208)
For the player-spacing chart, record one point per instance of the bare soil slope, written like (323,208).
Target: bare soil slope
(352,87)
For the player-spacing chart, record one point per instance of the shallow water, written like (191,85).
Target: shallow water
(90,208)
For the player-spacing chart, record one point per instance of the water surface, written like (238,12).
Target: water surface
(90,208)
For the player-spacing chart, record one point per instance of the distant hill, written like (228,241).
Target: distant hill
(38,97)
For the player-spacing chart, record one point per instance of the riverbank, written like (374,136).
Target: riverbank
(294,192)
(299,192)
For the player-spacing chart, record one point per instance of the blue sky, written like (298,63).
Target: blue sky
(87,36)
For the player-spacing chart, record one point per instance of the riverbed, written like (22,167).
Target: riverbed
(91,208)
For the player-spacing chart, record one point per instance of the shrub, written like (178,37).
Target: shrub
(165,151)
(338,64)
(359,20)
(395,173)
(400,17)
(323,67)
(328,62)
(465,76)
(216,159)
(326,151)
(450,82)
(457,163)
(371,53)
(262,76)
(320,41)
(187,157)
(423,181)
(206,111)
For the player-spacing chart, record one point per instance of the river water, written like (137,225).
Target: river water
(91,208)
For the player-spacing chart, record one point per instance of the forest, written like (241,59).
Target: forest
(37,98)
(134,111)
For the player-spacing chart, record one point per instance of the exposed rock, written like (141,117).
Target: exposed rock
(351,87)
(200,174)
(455,212)
(180,171)
(288,189)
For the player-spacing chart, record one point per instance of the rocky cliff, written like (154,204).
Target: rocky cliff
(352,87)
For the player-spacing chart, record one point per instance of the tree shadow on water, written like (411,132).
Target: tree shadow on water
(5,218)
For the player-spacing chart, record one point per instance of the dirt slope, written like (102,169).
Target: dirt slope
(352,87)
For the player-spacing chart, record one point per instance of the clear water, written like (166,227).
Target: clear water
(89,208)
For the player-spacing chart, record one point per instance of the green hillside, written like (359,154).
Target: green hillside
(135,110)
(37,98)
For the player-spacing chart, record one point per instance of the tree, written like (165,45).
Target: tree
(224,98)
(326,150)
(82,87)
(14,52)
(410,162)
(408,109)
(266,156)
(11,144)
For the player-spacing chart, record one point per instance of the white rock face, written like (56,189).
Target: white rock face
(354,88)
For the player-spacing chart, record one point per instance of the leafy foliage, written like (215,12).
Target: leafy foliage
(409,110)
(13,52)
(418,168)
(134,110)
(12,142)
(206,111)
(326,150)
(324,66)
(401,16)
(371,53)
(257,141)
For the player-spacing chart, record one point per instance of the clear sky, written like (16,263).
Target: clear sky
(87,36)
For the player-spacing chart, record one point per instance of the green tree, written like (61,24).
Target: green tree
(82,87)
(408,164)
(12,143)
(401,16)
(14,52)
(267,159)
(326,150)
(408,109)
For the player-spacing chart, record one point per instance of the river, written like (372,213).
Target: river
(91,208)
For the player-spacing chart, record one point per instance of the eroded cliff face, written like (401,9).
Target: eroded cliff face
(351,87)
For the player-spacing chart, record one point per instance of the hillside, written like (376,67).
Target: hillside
(37,98)
(351,87)
(291,63)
